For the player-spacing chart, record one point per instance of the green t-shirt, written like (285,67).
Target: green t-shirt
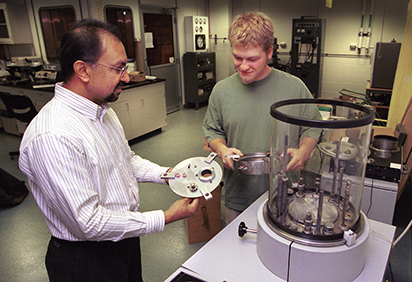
(240,114)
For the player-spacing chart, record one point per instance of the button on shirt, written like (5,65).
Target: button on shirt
(83,173)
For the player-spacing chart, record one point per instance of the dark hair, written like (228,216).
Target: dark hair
(83,42)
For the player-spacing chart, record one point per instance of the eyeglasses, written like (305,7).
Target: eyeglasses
(120,70)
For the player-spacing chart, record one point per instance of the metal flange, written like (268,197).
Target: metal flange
(195,177)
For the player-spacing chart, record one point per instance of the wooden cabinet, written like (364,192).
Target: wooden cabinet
(199,71)
(14,24)
(141,109)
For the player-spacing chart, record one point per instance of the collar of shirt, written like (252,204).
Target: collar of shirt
(80,103)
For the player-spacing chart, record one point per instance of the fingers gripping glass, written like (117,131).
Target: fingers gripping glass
(120,70)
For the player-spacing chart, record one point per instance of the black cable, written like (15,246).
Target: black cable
(290,253)
(370,199)
(390,270)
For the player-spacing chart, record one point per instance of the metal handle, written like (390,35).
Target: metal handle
(233,157)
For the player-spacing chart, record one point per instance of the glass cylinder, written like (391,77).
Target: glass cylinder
(320,199)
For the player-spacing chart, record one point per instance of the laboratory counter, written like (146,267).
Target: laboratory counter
(141,106)
(47,86)
(228,257)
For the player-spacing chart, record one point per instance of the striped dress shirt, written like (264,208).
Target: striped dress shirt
(83,173)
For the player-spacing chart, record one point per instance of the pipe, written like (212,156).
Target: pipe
(368,34)
(360,34)
(340,181)
(320,210)
(280,196)
(336,170)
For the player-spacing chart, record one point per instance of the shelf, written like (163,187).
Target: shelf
(208,67)
(206,82)
(199,71)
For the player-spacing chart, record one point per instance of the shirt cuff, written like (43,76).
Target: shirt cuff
(158,175)
(155,221)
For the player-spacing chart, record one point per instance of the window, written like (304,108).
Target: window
(55,22)
(122,18)
(161,28)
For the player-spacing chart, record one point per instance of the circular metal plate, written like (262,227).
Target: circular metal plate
(195,177)
(347,150)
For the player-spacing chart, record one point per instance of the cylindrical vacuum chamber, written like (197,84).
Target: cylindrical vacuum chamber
(313,208)
(316,204)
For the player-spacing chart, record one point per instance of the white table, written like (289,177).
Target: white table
(228,257)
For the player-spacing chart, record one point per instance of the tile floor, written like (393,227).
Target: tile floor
(24,235)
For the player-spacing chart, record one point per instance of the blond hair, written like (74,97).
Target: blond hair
(252,28)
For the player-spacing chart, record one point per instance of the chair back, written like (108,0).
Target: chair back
(19,106)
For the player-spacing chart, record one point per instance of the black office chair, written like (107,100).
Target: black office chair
(19,107)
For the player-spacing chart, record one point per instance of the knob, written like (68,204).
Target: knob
(242,230)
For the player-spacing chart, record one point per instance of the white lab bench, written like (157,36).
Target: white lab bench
(228,257)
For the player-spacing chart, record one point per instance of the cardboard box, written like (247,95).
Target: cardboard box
(137,76)
(206,222)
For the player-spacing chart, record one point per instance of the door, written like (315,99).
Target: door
(162,61)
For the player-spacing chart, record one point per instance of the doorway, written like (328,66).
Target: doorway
(161,52)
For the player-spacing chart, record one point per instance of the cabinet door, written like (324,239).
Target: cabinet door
(153,105)
(135,112)
(141,109)
(121,109)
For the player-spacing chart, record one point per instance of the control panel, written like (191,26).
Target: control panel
(46,75)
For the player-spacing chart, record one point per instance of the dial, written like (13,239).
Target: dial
(200,42)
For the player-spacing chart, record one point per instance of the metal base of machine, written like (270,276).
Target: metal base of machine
(292,261)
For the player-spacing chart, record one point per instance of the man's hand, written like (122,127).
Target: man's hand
(224,155)
(298,159)
(301,155)
(181,209)
(220,148)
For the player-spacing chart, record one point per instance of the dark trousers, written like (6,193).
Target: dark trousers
(94,261)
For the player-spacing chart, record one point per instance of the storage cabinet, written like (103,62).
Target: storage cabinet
(381,99)
(141,109)
(200,76)
(14,24)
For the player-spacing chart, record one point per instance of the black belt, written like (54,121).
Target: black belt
(63,242)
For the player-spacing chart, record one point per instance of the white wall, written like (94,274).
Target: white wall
(342,68)
(219,15)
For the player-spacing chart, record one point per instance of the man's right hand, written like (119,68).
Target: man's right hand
(226,160)
(219,146)
(181,209)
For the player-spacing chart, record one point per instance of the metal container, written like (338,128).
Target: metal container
(386,143)
(252,164)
